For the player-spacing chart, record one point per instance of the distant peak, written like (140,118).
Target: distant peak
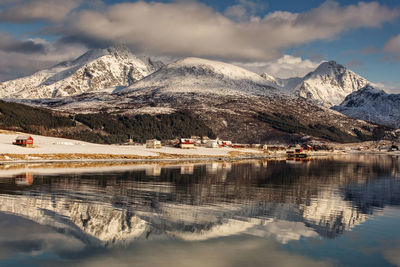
(370,89)
(331,64)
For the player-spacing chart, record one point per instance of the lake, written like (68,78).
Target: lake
(333,211)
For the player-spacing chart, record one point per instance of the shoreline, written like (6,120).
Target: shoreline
(111,158)
(144,160)
(26,168)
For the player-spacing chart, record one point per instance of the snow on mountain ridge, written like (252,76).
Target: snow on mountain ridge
(372,105)
(196,75)
(329,84)
(95,70)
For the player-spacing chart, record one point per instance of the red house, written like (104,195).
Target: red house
(186,143)
(24,140)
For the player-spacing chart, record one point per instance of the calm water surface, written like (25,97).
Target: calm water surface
(342,211)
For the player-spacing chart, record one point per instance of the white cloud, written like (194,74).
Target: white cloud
(23,11)
(285,67)
(194,29)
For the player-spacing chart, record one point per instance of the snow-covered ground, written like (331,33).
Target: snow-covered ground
(52,145)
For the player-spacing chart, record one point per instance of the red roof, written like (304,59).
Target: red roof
(186,141)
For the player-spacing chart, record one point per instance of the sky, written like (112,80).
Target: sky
(284,38)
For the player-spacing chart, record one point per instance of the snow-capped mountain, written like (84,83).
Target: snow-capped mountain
(371,104)
(225,97)
(196,75)
(329,84)
(96,70)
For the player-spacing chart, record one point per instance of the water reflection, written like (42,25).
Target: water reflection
(24,179)
(275,200)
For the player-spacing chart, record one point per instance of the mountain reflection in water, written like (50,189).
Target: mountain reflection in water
(274,200)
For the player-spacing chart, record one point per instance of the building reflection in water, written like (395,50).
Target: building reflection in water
(277,199)
(153,170)
(24,179)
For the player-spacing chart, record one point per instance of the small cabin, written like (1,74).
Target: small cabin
(186,143)
(153,143)
(24,140)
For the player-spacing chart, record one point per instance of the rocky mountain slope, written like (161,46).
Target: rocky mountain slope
(96,70)
(327,85)
(372,105)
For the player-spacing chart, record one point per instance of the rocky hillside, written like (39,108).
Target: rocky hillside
(100,127)
(372,105)
(96,70)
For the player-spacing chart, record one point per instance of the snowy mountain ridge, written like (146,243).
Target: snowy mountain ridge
(373,105)
(327,85)
(96,70)
(202,76)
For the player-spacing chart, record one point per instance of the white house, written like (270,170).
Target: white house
(153,143)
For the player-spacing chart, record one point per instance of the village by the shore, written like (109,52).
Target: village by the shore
(21,147)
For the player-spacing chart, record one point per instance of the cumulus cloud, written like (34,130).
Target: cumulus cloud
(25,11)
(285,67)
(194,29)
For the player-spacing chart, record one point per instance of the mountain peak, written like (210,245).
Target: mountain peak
(328,67)
(330,83)
(119,50)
